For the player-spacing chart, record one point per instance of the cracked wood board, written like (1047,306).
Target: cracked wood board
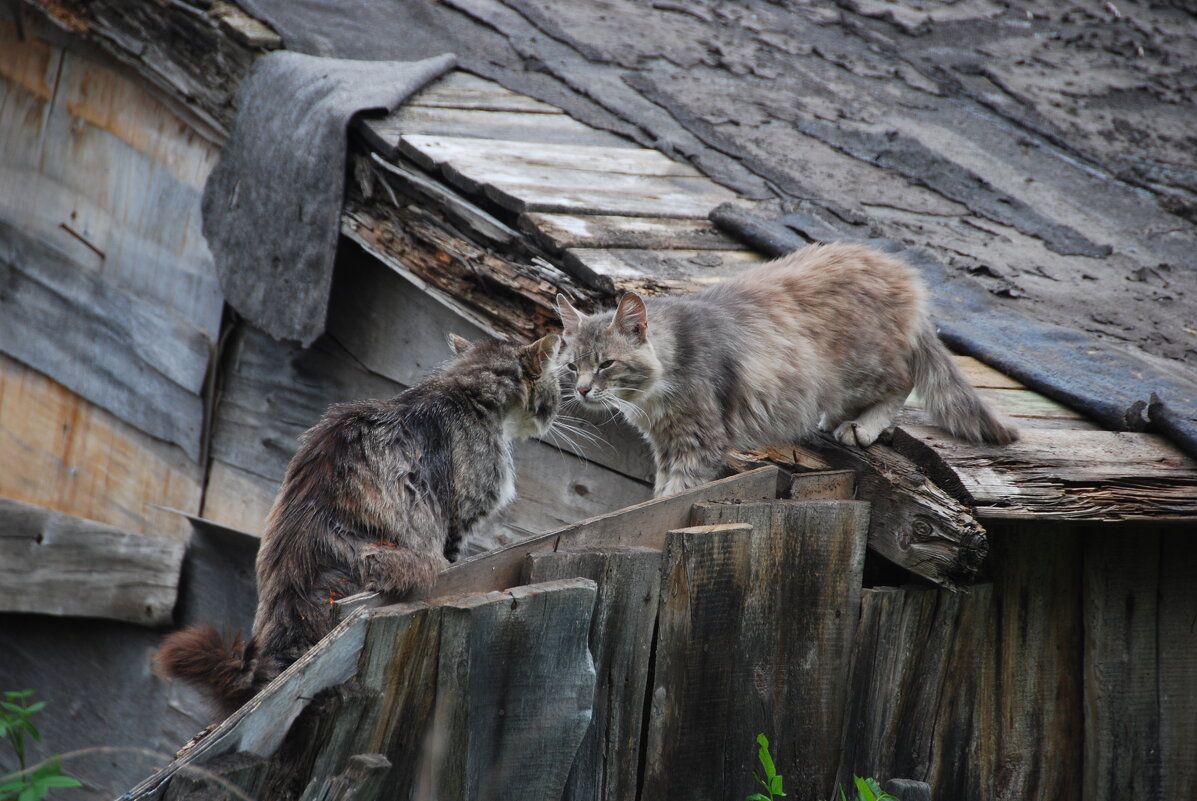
(656,272)
(461,90)
(1060,474)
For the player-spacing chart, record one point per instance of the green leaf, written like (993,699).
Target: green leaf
(765,757)
(775,785)
(757,797)
(15,694)
(11,707)
(862,787)
(38,707)
(60,781)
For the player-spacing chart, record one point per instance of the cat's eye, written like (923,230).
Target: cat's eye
(573,368)
(606,364)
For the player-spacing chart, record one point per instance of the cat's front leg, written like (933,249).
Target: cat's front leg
(679,472)
(397,571)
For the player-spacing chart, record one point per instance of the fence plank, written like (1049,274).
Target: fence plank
(621,642)
(733,660)
(644,525)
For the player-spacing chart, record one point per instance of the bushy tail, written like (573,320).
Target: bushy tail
(950,399)
(224,668)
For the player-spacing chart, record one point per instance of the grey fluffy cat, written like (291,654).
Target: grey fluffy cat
(832,337)
(378,497)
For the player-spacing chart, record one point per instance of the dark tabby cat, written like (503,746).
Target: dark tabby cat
(830,337)
(378,497)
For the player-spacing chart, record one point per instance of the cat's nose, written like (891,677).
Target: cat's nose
(583,389)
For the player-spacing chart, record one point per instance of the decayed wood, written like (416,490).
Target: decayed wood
(361,781)
(202,79)
(915,524)
(620,641)
(832,485)
(976,693)
(558,232)
(57,564)
(755,630)
(514,692)
(642,525)
(1060,474)
(66,454)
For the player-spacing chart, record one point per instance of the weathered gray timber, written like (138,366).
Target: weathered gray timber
(993,673)
(1139,654)
(120,352)
(758,612)
(915,524)
(56,564)
(642,525)
(827,485)
(621,634)
(1059,474)
(484,696)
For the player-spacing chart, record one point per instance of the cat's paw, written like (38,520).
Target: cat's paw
(856,434)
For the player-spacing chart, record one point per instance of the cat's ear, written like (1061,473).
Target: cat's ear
(631,318)
(542,352)
(570,317)
(459,344)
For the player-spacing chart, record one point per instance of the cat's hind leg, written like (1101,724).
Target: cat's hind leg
(868,425)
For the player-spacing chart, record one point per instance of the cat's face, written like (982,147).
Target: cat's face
(535,407)
(607,360)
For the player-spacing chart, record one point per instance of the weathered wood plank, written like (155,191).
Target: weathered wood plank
(1016,403)
(66,454)
(1061,474)
(57,564)
(661,271)
(1177,653)
(1011,648)
(507,161)
(981,375)
(643,525)
(1122,672)
(580,192)
(514,692)
(228,777)
(361,781)
(462,90)
(915,524)
(144,365)
(485,125)
(784,674)
(114,176)
(621,634)
(558,232)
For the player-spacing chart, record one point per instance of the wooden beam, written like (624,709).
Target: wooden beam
(57,564)
(915,524)
(559,232)
(1060,474)
(657,272)
(643,525)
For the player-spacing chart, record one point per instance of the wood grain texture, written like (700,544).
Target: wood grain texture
(733,659)
(488,125)
(56,564)
(514,692)
(642,525)
(559,232)
(915,524)
(144,365)
(977,693)
(621,634)
(67,454)
(1139,690)
(461,90)
(1058,474)
(655,272)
